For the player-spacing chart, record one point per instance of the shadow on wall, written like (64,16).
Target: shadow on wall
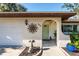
(49,43)
(10,40)
(11,46)
(2,50)
(10,43)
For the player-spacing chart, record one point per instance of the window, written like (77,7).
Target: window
(68,29)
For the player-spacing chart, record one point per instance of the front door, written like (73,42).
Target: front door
(45,32)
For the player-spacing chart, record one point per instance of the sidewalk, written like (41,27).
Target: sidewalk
(53,51)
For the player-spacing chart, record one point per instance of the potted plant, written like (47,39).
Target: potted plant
(74,45)
(70,47)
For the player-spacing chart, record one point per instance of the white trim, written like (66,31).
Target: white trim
(64,52)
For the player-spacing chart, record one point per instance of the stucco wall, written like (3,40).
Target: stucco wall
(10,31)
(13,31)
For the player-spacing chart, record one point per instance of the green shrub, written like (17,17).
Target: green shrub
(77,44)
(70,43)
(74,40)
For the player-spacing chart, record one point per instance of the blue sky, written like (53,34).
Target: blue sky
(44,6)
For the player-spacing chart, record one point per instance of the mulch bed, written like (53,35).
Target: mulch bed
(25,51)
(75,53)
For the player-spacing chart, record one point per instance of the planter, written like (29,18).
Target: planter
(70,47)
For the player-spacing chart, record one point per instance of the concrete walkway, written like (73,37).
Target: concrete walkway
(53,51)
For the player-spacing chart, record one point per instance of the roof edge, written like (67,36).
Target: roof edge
(39,12)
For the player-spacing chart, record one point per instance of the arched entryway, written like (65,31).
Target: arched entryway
(49,33)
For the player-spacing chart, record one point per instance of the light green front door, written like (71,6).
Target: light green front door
(45,32)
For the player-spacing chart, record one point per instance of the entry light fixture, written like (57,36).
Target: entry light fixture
(26,22)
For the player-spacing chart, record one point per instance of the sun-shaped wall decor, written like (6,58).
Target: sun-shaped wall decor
(32,28)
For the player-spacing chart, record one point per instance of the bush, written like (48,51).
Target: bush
(74,40)
(76,44)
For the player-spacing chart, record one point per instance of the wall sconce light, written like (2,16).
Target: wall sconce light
(26,22)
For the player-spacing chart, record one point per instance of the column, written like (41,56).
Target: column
(58,32)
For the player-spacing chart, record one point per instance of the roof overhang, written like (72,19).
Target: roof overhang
(70,21)
(63,15)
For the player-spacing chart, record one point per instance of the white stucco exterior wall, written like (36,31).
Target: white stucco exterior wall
(9,33)
(13,31)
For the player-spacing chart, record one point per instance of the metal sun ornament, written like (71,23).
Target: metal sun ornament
(32,28)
